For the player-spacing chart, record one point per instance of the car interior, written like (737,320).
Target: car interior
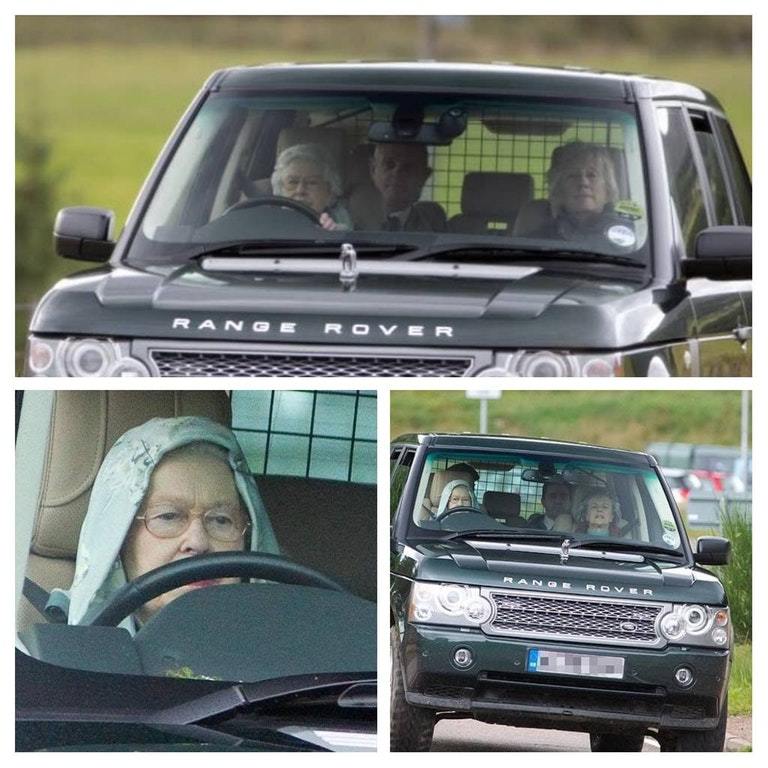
(324,524)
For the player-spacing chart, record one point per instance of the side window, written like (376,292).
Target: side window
(397,481)
(686,189)
(715,174)
(742,185)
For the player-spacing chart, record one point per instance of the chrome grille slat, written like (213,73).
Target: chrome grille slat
(576,619)
(189,363)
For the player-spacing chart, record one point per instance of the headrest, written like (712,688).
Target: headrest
(331,140)
(84,426)
(495,195)
(499,504)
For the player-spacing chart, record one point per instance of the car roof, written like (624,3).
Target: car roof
(468,440)
(476,79)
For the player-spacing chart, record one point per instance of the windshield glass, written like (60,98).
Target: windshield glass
(258,508)
(526,174)
(514,493)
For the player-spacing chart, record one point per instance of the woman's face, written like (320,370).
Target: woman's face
(599,512)
(460,497)
(183,486)
(303,181)
(584,188)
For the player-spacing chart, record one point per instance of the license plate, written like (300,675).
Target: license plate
(586,665)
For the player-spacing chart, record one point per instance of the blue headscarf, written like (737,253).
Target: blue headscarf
(119,490)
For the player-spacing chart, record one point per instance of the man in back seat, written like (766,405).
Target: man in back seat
(399,172)
(556,500)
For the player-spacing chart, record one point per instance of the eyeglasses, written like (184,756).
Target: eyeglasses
(292,183)
(220,525)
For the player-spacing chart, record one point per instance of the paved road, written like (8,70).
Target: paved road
(472,736)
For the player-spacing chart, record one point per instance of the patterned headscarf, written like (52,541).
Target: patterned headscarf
(119,490)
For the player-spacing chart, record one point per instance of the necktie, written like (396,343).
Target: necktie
(392,224)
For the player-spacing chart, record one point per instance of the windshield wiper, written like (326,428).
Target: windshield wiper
(624,546)
(492,533)
(515,253)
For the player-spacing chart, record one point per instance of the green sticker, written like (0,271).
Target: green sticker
(629,208)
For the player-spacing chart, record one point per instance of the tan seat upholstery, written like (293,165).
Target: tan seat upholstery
(84,426)
(490,202)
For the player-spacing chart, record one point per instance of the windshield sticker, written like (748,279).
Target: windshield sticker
(621,235)
(629,209)
(672,539)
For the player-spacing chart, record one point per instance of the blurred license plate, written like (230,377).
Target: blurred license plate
(557,663)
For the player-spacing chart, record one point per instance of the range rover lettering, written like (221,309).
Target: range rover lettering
(416,220)
(551,585)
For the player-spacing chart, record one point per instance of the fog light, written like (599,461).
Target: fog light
(462,658)
(684,677)
(128,367)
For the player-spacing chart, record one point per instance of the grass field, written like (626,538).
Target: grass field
(740,689)
(628,419)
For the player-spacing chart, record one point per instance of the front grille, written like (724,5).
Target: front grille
(580,620)
(239,364)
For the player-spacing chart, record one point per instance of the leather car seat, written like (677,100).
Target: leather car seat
(490,202)
(84,426)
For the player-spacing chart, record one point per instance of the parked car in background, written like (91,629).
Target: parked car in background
(715,463)
(430,235)
(682,482)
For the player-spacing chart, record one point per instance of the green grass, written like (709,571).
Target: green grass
(622,419)
(740,689)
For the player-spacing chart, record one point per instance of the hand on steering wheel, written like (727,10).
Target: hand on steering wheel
(217,565)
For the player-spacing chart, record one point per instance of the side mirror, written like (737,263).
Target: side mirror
(84,233)
(721,253)
(712,550)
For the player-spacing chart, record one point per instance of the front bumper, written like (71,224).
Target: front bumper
(497,687)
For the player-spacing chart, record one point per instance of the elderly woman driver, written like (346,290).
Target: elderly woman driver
(167,490)
(305,174)
(582,193)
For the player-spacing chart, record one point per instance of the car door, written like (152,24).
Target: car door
(702,195)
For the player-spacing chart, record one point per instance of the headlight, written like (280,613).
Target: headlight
(457,605)
(696,625)
(82,357)
(553,364)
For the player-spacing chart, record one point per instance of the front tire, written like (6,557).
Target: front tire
(616,742)
(697,741)
(410,728)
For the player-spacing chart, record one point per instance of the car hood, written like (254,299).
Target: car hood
(487,564)
(540,309)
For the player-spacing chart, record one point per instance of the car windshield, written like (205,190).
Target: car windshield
(531,178)
(259,505)
(514,494)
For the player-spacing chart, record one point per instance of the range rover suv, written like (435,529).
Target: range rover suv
(420,232)
(551,585)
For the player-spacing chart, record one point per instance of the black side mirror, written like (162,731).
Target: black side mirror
(712,550)
(721,253)
(84,233)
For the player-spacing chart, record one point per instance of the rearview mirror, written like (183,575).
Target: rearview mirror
(712,550)
(721,253)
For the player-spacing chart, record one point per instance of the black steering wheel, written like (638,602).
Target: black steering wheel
(277,202)
(218,565)
(440,516)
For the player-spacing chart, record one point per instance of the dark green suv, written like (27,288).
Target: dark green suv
(551,585)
